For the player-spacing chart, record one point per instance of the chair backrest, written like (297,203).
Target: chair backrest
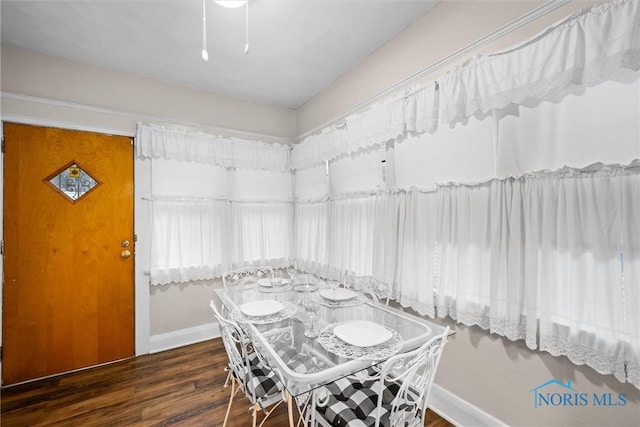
(246,275)
(370,286)
(236,345)
(412,373)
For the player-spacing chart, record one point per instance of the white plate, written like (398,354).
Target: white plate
(261,308)
(341,294)
(267,282)
(362,333)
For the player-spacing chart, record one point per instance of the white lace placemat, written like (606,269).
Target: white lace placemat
(272,289)
(335,345)
(288,311)
(357,300)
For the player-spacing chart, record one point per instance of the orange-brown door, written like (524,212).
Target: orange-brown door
(68,251)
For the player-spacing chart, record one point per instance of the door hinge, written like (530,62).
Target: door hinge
(1,247)
(0,353)
(2,144)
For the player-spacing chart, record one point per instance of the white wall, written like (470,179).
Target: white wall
(495,375)
(78,93)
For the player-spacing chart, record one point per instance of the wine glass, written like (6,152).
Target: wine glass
(311,306)
(276,281)
(292,271)
(333,285)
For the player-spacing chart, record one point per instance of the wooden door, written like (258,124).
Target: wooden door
(68,286)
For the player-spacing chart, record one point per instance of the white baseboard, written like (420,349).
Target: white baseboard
(182,337)
(458,411)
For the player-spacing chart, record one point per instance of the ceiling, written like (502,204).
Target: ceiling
(297,47)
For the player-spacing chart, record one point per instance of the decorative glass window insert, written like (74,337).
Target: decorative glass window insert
(73,181)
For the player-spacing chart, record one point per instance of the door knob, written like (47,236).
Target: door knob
(125,244)
(125,254)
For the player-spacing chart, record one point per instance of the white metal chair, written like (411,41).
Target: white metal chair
(370,286)
(246,275)
(247,372)
(395,395)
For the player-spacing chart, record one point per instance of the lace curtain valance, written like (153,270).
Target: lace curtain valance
(583,50)
(413,111)
(170,143)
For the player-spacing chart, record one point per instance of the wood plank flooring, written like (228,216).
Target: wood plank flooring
(181,387)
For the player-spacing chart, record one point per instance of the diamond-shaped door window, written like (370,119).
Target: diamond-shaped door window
(72,181)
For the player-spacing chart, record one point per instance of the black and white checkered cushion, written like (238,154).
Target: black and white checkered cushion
(263,381)
(301,363)
(353,403)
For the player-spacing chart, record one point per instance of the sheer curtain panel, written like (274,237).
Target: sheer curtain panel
(548,257)
(416,274)
(262,233)
(588,308)
(189,240)
(466,234)
(312,236)
(215,204)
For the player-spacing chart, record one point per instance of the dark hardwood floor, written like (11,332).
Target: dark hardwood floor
(176,387)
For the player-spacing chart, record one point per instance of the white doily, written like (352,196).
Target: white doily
(288,311)
(357,300)
(272,289)
(335,345)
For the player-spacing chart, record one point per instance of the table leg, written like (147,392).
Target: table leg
(287,398)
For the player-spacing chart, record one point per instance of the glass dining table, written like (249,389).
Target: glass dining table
(311,334)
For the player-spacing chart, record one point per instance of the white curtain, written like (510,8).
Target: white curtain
(631,273)
(189,240)
(548,249)
(312,235)
(550,257)
(215,204)
(416,273)
(514,301)
(351,236)
(261,233)
(493,238)
(363,236)
(583,50)
(595,45)
(414,111)
(464,249)
(186,145)
(196,239)
(586,304)
(355,234)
